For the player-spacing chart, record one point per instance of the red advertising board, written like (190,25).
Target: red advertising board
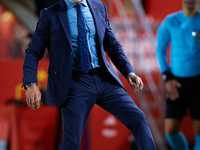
(106,132)
(11,79)
(20,127)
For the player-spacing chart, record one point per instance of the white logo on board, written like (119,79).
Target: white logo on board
(110,121)
(109,133)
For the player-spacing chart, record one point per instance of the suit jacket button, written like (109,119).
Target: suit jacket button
(55,72)
(71,53)
(70,69)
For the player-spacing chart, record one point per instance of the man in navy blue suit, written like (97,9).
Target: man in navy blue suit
(77,34)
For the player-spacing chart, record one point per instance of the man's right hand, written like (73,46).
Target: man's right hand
(33,97)
(172,89)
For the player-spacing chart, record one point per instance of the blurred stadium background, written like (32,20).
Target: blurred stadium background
(135,23)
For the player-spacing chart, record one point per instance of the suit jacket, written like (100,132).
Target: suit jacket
(53,32)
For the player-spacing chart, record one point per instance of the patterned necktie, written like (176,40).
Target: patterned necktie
(83,46)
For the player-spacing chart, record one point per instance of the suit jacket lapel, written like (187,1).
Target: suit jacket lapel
(63,17)
(94,10)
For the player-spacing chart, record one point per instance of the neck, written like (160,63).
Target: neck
(76,1)
(189,12)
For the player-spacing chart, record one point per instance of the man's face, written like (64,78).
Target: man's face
(189,4)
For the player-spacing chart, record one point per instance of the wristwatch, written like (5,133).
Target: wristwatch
(167,75)
(29,84)
(164,76)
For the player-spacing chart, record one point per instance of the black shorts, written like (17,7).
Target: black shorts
(189,97)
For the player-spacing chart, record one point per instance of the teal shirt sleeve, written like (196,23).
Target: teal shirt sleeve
(163,40)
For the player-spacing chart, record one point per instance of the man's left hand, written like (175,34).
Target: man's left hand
(135,82)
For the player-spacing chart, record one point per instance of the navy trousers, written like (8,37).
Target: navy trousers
(102,89)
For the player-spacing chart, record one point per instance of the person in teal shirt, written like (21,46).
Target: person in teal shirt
(182,75)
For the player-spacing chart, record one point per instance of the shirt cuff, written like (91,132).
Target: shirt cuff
(130,73)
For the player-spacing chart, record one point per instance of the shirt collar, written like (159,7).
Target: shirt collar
(71,4)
